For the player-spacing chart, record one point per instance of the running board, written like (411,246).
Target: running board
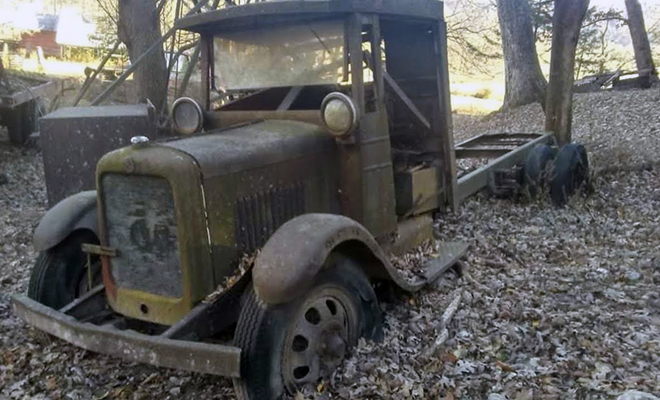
(448,255)
(444,257)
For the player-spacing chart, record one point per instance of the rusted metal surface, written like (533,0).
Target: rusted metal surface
(335,329)
(443,126)
(211,317)
(498,139)
(480,152)
(73,140)
(259,215)
(129,345)
(253,146)
(193,264)
(266,13)
(478,179)
(448,254)
(291,258)
(492,145)
(224,119)
(74,212)
(378,197)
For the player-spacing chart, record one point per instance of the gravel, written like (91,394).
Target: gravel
(556,303)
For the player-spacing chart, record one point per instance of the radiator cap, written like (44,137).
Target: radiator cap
(139,141)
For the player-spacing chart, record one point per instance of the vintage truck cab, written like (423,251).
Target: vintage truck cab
(319,146)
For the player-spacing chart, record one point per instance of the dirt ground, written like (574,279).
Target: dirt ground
(559,303)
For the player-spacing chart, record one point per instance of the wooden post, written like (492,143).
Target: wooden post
(566,24)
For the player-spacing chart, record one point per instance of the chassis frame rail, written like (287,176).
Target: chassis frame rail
(474,181)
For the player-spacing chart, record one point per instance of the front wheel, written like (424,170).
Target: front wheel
(60,274)
(285,347)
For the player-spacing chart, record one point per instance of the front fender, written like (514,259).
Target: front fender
(74,212)
(296,252)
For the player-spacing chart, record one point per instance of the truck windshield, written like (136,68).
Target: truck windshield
(311,53)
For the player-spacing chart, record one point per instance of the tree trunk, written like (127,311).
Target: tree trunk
(139,28)
(566,24)
(524,82)
(640,40)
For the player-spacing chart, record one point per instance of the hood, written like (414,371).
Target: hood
(255,145)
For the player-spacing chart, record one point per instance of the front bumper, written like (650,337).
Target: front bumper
(130,345)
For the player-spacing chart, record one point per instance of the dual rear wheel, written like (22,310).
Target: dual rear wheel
(562,173)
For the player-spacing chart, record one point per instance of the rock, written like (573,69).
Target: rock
(175,391)
(497,396)
(653,299)
(3,179)
(636,395)
(633,275)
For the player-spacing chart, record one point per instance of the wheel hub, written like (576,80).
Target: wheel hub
(318,340)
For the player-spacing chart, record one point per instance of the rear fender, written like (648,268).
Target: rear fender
(297,251)
(73,213)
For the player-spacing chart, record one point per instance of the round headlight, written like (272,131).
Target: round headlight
(339,114)
(187,116)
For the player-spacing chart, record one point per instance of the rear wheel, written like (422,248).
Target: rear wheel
(537,169)
(20,122)
(60,274)
(287,346)
(570,173)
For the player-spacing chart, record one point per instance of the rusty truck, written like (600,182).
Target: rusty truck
(248,244)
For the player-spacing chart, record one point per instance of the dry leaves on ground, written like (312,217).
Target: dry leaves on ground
(563,303)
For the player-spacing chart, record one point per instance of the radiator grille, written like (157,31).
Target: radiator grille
(259,215)
(141,225)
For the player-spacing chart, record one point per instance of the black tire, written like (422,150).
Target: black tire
(29,119)
(570,173)
(59,275)
(262,329)
(13,120)
(537,169)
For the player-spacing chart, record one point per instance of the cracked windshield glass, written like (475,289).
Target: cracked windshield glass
(305,54)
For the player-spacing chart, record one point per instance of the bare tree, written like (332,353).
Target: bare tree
(566,23)
(138,29)
(471,35)
(640,40)
(524,82)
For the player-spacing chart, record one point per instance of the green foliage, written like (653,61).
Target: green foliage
(597,54)
(542,11)
(596,51)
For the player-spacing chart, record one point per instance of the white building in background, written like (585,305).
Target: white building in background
(73,29)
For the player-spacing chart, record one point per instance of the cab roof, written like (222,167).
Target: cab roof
(266,13)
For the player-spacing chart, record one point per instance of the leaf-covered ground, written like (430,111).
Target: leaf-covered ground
(557,304)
